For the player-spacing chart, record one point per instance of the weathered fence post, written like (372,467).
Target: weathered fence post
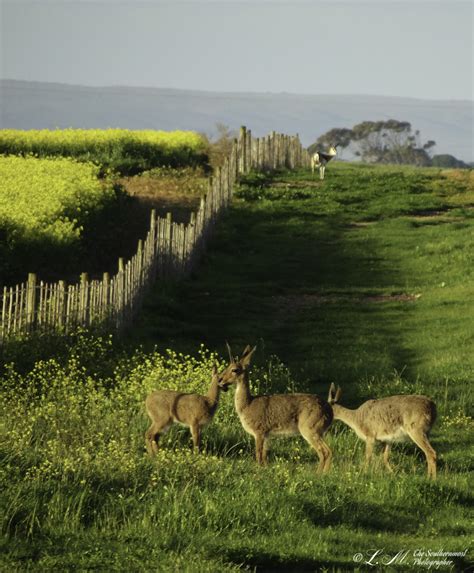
(106,296)
(62,304)
(120,302)
(31,302)
(248,156)
(83,300)
(243,150)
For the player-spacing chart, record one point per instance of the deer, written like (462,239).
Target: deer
(167,407)
(391,419)
(320,159)
(277,414)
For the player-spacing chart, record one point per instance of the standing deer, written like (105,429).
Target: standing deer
(279,414)
(320,159)
(388,420)
(166,407)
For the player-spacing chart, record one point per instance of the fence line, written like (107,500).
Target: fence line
(169,251)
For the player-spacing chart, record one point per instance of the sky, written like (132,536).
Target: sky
(417,48)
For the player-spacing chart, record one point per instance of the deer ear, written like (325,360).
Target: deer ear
(338,394)
(214,369)
(231,358)
(246,357)
(332,392)
(247,349)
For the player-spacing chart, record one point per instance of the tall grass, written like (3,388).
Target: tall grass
(79,492)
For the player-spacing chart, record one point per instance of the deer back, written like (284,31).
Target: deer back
(285,413)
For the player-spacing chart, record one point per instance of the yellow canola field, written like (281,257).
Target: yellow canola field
(48,198)
(127,151)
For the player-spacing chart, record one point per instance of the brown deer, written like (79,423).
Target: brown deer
(278,414)
(166,407)
(391,419)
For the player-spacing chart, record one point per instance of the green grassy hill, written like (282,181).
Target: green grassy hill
(365,279)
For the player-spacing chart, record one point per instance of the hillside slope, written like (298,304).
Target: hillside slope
(35,105)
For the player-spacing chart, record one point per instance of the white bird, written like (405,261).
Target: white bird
(320,159)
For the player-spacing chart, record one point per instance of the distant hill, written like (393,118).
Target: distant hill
(36,105)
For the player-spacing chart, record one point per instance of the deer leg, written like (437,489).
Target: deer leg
(152,436)
(151,441)
(322,449)
(196,434)
(260,449)
(369,448)
(327,465)
(385,458)
(265,451)
(319,446)
(327,456)
(421,440)
(321,172)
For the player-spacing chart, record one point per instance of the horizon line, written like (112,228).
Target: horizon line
(233,92)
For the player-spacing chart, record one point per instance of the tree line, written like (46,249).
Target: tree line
(389,141)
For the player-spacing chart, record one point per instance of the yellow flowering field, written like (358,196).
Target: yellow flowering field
(48,198)
(126,151)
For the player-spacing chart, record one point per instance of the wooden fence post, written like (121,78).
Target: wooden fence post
(120,297)
(31,302)
(243,150)
(106,296)
(169,244)
(83,300)
(62,304)
(248,155)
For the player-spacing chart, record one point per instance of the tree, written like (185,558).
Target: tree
(448,161)
(221,145)
(337,136)
(389,141)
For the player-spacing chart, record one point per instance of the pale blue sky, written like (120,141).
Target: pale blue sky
(419,48)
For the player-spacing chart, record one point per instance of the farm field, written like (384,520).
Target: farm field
(60,217)
(44,206)
(365,280)
(125,151)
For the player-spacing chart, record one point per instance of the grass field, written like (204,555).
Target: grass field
(365,280)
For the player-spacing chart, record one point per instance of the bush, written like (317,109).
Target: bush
(448,161)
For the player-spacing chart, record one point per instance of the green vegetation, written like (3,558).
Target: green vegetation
(389,141)
(44,206)
(60,216)
(125,151)
(365,279)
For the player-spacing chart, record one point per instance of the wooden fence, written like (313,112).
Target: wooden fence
(170,250)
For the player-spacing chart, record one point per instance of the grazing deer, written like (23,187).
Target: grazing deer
(166,407)
(290,414)
(320,159)
(388,420)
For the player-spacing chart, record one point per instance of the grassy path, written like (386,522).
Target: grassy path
(368,274)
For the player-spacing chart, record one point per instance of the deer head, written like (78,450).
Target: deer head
(237,367)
